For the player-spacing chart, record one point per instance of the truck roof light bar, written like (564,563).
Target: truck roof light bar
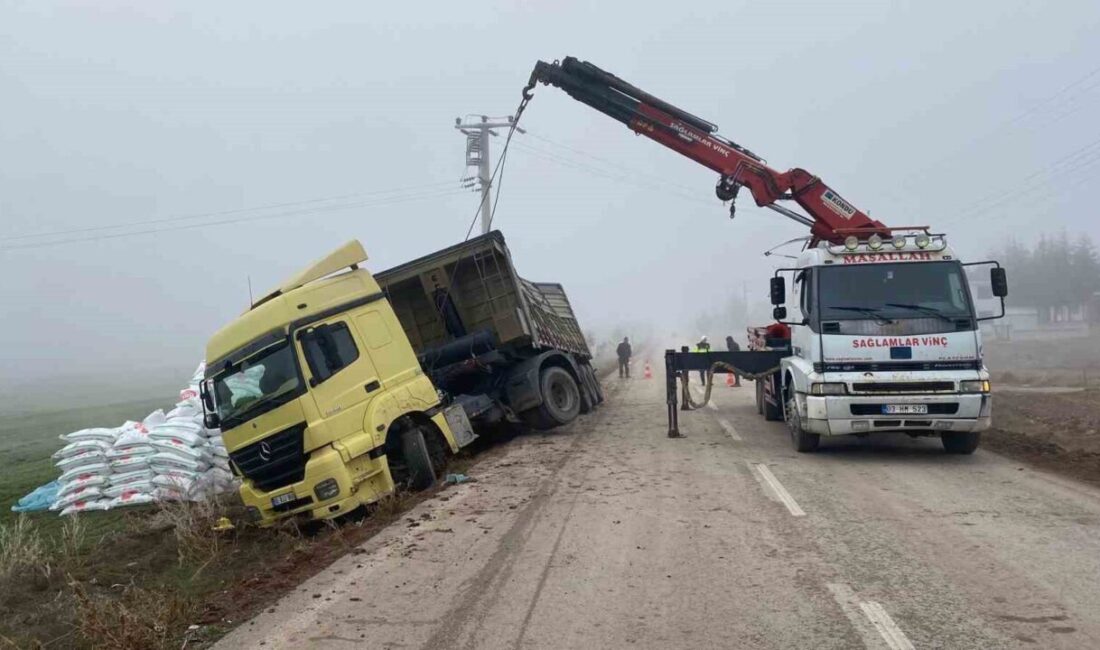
(923,241)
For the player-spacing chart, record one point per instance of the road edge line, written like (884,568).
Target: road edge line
(885,626)
(780,491)
(728,428)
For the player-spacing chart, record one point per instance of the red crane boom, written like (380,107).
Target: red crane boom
(831,218)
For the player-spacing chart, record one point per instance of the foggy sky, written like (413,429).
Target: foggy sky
(113,113)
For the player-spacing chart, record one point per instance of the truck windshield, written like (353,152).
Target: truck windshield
(257,384)
(891,292)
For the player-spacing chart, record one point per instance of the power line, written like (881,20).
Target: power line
(610,163)
(1073,161)
(278,215)
(206,215)
(581,166)
(1043,105)
(1028,194)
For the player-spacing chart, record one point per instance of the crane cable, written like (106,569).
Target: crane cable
(717,365)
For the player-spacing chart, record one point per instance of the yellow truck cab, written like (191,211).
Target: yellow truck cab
(322,402)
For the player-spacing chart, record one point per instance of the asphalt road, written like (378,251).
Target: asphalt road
(607,534)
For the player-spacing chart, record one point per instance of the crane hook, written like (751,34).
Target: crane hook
(726,190)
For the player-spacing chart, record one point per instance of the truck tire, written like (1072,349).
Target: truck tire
(588,400)
(418,460)
(587,383)
(587,369)
(803,442)
(772,412)
(561,399)
(962,442)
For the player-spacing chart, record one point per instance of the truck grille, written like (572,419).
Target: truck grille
(276,461)
(903,386)
(946,408)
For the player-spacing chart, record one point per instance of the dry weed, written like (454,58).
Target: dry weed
(21,547)
(390,507)
(193,525)
(134,619)
(71,540)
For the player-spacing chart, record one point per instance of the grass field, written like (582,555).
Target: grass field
(153,577)
(27,441)
(150,577)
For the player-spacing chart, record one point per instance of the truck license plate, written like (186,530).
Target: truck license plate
(905,409)
(281,499)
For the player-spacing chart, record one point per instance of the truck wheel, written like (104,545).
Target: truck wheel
(597,389)
(588,401)
(420,474)
(587,385)
(961,442)
(803,442)
(561,399)
(772,412)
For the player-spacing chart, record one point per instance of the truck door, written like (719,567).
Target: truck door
(802,336)
(340,373)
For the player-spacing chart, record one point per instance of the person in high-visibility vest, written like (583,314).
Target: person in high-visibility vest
(703,346)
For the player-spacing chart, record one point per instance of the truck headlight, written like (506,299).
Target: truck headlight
(326,489)
(829,388)
(974,386)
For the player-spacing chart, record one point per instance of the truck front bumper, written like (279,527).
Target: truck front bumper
(361,481)
(839,415)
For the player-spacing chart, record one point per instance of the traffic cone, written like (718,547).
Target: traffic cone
(648,373)
(729,379)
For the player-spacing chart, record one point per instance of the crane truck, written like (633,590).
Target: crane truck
(884,336)
(341,385)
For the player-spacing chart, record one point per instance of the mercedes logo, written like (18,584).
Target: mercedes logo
(265,451)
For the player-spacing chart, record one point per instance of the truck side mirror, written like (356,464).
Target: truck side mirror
(210,418)
(778,291)
(998,281)
(779,313)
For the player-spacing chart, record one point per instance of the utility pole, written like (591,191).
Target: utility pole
(477,155)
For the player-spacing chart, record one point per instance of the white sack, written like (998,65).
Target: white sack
(185,431)
(143,487)
(185,410)
(131,438)
(86,506)
(130,450)
(81,446)
(174,446)
(80,460)
(106,435)
(132,499)
(135,476)
(79,494)
(178,483)
(130,463)
(95,480)
(164,462)
(154,419)
(86,471)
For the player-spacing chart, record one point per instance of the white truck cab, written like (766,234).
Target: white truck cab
(884,338)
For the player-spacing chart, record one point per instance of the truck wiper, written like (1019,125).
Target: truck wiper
(879,318)
(928,310)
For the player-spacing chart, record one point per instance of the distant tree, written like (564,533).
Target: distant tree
(1055,273)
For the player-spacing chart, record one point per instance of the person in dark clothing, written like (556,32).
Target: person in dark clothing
(732,346)
(624,353)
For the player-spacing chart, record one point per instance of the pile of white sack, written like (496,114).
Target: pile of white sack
(166,456)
